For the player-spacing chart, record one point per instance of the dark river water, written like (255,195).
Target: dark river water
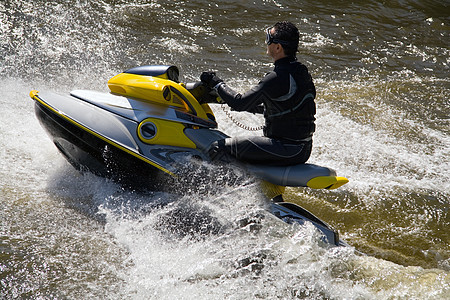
(381,69)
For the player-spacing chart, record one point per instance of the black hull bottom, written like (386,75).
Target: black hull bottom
(87,152)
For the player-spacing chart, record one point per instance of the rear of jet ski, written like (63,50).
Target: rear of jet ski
(301,175)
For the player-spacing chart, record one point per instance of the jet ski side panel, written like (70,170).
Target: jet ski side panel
(88,150)
(137,109)
(91,118)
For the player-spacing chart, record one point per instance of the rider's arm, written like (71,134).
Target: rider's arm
(250,101)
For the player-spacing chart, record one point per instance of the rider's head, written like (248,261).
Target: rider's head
(286,34)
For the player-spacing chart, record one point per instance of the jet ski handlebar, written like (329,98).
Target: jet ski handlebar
(203,93)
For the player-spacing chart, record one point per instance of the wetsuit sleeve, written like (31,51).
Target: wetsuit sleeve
(250,101)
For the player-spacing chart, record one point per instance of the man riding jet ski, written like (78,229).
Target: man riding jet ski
(156,132)
(285,95)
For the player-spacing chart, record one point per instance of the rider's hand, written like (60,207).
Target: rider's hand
(210,79)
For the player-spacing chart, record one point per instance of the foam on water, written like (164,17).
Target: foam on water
(274,260)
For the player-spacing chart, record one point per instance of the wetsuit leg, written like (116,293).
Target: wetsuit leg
(263,150)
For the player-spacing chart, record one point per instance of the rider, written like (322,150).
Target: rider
(285,95)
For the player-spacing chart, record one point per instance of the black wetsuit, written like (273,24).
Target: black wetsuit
(286,97)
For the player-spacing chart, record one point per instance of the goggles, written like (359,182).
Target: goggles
(270,39)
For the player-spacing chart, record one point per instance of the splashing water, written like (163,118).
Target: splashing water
(381,71)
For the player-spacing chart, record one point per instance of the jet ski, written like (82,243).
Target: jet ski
(153,131)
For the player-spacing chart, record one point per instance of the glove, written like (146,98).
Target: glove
(210,79)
